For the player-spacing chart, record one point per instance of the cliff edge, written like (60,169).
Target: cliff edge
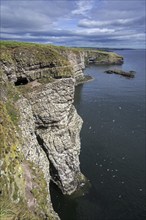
(39,125)
(26,62)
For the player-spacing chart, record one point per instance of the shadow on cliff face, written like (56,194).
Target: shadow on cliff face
(53,171)
(78,93)
(21,81)
(62,204)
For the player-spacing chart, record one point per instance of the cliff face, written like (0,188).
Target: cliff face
(50,126)
(23,186)
(23,63)
(76,59)
(40,128)
(102,58)
(29,62)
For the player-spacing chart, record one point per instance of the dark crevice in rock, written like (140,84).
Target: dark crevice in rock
(53,171)
(42,144)
(21,81)
(42,127)
(45,125)
(52,65)
(58,77)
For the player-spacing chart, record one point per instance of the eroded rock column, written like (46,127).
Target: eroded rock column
(57,128)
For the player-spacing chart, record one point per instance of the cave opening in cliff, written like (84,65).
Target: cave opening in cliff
(21,81)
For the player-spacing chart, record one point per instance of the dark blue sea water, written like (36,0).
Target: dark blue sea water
(113,141)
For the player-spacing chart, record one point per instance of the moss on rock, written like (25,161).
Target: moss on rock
(42,60)
(14,186)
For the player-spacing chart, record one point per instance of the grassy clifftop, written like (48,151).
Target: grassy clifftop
(37,61)
(31,53)
(27,54)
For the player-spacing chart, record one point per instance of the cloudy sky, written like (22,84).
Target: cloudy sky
(90,23)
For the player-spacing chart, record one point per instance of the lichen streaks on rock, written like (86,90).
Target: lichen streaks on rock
(49,126)
(23,188)
(26,61)
(76,59)
(49,116)
(31,148)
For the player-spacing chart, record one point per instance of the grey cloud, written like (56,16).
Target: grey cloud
(32,15)
(119,9)
(83,7)
(69,22)
(72,35)
(111,23)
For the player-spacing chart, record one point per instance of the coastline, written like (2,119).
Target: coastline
(87,78)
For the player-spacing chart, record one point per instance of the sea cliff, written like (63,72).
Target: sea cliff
(39,125)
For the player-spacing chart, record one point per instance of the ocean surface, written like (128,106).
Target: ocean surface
(113,139)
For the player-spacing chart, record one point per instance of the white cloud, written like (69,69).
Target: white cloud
(82,7)
(88,23)
(140,37)
(95,31)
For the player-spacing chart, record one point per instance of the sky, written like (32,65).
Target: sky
(79,23)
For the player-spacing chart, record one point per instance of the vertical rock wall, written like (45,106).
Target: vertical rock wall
(77,62)
(51,126)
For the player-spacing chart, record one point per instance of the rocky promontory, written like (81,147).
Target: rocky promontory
(39,125)
(129,74)
(24,62)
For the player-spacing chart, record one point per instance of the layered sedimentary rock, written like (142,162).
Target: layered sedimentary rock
(26,63)
(24,181)
(79,58)
(51,127)
(76,59)
(38,83)
(103,58)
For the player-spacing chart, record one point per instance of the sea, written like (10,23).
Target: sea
(113,141)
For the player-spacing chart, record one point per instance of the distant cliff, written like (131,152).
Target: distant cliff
(39,126)
(23,62)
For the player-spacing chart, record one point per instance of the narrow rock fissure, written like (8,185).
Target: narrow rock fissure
(53,171)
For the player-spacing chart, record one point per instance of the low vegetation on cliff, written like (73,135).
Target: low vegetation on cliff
(17,200)
(28,57)
(25,62)
(26,69)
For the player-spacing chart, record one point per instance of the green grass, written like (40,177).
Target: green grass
(12,211)
(13,203)
(14,44)
(12,112)
(30,53)
(22,54)
(9,96)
